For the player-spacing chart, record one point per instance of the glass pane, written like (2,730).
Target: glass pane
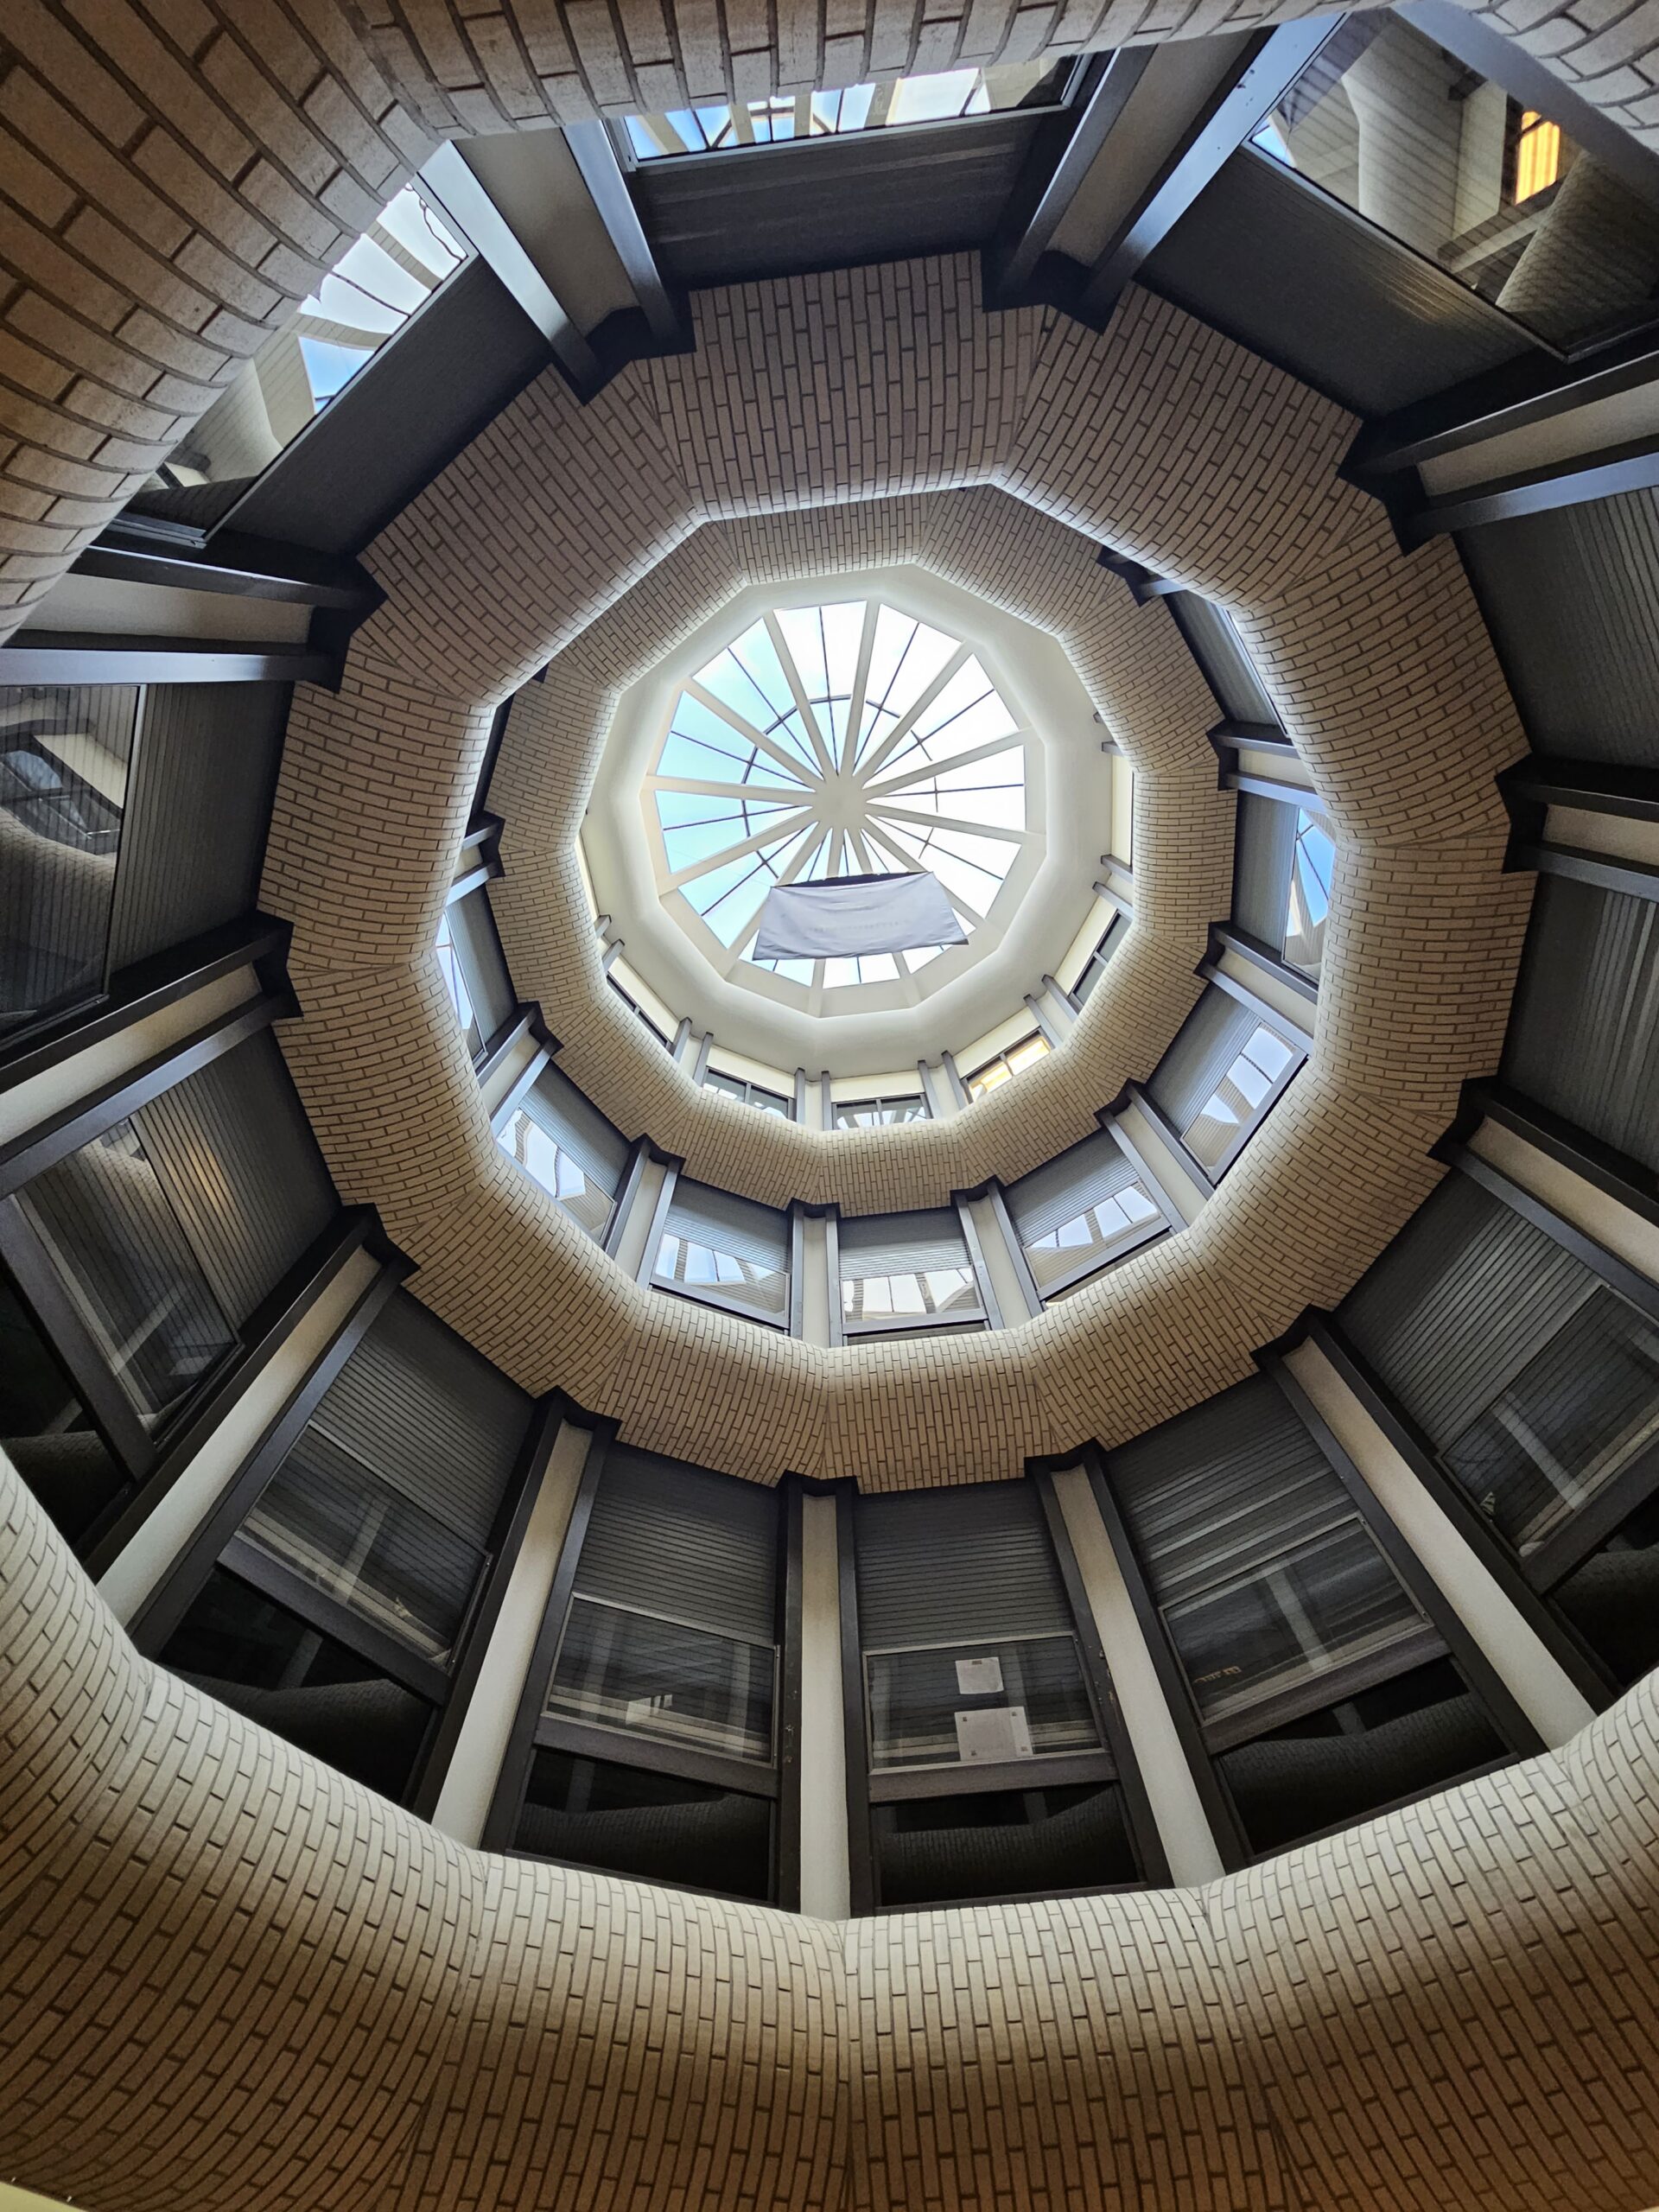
(65,755)
(655,1827)
(1312,867)
(328,1519)
(1613,1598)
(1321,1605)
(1239,1100)
(586,1202)
(1004,1843)
(878,1113)
(783,118)
(261,1660)
(456,984)
(1325,1768)
(910,1297)
(660,1678)
(1581,1413)
(691,1266)
(1092,1238)
(44,1431)
(959,1704)
(1494,193)
(106,1220)
(399,260)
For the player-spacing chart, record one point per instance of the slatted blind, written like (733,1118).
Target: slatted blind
(1086,1175)
(197,811)
(1583,1033)
(1220,651)
(483,965)
(1264,851)
(236,1156)
(1207,1044)
(1237,1481)
(1465,1296)
(428,1415)
(676,1539)
(924,1243)
(578,1128)
(956,1566)
(726,1222)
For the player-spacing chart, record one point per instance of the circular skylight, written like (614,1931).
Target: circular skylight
(841,740)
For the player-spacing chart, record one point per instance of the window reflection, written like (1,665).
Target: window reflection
(1238,1102)
(993,1073)
(784,117)
(1497,194)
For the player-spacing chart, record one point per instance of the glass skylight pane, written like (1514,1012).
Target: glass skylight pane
(942,97)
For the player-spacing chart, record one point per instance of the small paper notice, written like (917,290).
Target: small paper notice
(1000,1734)
(979,1677)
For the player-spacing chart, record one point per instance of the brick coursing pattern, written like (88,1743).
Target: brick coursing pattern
(176,174)
(1000,451)
(233,1981)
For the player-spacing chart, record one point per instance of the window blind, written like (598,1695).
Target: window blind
(1583,1035)
(429,1416)
(676,1540)
(956,1566)
(1264,851)
(1086,1175)
(561,1112)
(1206,1046)
(725,1223)
(1219,651)
(1463,1299)
(925,1243)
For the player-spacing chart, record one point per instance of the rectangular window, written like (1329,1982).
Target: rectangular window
(750,1094)
(1083,989)
(66,759)
(716,126)
(44,1430)
(970,1703)
(393,270)
(263,1660)
(555,1135)
(1081,1210)
(907,1270)
(727,1251)
(106,1222)
(650,1826)
(1003,1843)
(1494,194)
(992,1074)
(672,1680)
(878,1112)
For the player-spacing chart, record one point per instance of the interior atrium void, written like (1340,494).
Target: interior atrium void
(829,1107)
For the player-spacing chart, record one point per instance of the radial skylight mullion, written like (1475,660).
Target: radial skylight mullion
(798,690)
(929,768)
(706,787)
(778,834)
(919,706)
(791,761)
(954,822)
(907,862)
(861,683)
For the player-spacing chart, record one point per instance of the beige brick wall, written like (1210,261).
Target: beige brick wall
(175,175)
(231,1981)
(1001,451)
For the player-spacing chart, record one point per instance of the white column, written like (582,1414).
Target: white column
(815,1280)
(1525,1665)
(1000,1263)
(826,1881)
(131,1577)
(527,1056)
(941,1098)
(630,1244)
(476,1764)
(1183,1825)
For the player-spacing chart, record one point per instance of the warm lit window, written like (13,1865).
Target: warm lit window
(1007,1065)
(1537,154)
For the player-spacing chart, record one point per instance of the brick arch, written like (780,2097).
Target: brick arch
(998,444)
(175,179)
